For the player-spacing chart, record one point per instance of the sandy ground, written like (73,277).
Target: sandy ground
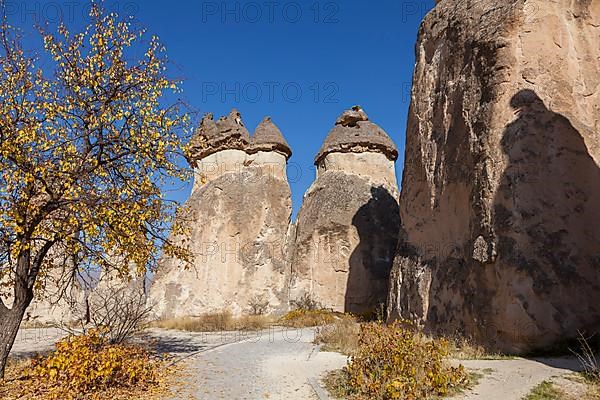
(513,379)
(281,363)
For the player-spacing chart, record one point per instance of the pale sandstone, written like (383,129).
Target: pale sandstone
(238,214)
(345,235)
(500,207)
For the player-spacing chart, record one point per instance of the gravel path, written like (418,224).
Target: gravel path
(272,364)
(30,342)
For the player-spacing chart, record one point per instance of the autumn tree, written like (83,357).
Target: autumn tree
(85,147)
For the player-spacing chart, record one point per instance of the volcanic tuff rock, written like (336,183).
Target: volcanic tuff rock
(500,209)
(346,231)
(238,214)
(228,133)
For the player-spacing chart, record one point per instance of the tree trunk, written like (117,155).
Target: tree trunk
(10,320)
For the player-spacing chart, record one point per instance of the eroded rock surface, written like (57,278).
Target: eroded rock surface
(238,212)
(500,203)
(346,231)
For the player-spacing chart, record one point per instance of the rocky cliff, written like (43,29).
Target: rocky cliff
(500,203)
(346,231)
(238,215)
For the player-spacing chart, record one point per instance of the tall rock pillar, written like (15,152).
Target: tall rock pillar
(346,230)
(500,203)
(238,213)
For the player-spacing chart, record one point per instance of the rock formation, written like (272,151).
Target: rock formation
(58,295)
(239,212)
(346,231)
(500,203)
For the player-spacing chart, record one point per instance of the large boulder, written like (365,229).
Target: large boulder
(238,216)
(500,203)
(346,231)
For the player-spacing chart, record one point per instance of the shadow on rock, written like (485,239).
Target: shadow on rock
(377,223)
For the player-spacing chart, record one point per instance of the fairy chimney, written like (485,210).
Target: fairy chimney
(238,214)
(347,228)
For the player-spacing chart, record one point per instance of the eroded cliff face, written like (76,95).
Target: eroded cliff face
(500,203)
(345,236)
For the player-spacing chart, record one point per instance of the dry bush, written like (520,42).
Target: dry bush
(306,302)
(88,367)
(216,322)
(588,360)
(259,305)
(395,362)
(340,336)
(375,314)
(463,348)
(119,308)
(307,312)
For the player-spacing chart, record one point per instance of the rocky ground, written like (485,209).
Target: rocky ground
(283,363)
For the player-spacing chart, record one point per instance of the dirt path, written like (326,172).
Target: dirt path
(513,379)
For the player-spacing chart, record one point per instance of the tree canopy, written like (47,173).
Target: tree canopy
(85,146)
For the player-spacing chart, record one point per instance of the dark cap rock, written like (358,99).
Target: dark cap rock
(228,133)
(268,137)
(354,133)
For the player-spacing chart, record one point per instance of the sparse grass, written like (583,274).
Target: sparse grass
(593,392)
(552,390)
(462,348)
(592,389)
(337,383)
(545,391)
(37,325)
(588,360)
(340,336)
(302,318)
(223,321)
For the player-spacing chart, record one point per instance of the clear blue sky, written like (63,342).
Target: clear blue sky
(301,62)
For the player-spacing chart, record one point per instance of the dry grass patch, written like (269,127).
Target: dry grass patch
(88,367)
(304,318)
(571,387)
(462,348)
(215,322)
(340,336)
